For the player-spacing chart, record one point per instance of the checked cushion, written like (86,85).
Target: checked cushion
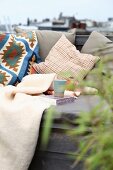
(17,54)
(64,58)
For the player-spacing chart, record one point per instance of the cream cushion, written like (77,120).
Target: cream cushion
(65,57)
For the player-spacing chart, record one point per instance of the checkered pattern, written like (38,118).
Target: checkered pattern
(65,57)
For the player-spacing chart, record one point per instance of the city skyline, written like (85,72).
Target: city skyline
(17,11)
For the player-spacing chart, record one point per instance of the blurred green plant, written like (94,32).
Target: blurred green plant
(48,121)
(94,132)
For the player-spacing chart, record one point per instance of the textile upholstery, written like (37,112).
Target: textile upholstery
(48,38)
(64,57)
(20,117)
(98,44)
(17,54)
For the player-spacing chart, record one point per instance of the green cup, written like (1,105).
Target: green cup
(59,87)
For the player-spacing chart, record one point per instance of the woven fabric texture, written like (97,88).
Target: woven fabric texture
(63,58)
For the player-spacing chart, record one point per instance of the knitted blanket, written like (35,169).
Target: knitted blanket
(20,116)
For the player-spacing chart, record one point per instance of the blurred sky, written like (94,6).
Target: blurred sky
(17,11)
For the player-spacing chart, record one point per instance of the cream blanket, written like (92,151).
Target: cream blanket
(20,116)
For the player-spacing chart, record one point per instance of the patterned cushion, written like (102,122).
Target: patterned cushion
(17,54)
(65,57)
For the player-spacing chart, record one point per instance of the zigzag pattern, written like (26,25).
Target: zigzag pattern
(17,54)
(4,77)
(13,54)
(31,37)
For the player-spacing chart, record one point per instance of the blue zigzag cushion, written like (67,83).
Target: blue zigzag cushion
(17,54)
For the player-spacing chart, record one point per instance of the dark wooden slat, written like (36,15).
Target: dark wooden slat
(81,39)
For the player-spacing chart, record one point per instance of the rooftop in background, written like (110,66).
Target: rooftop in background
(65,23)
(62,23)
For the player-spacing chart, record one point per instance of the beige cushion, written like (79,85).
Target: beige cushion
(65,57)
(47,39)
(98,44)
